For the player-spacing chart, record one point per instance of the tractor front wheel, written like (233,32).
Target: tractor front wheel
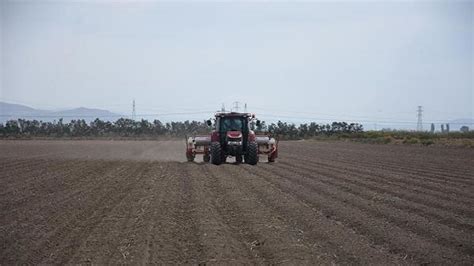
(216,153)
(252,153)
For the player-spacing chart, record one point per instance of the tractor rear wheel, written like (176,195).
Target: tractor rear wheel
(216,153)
(252,153)
(190,158)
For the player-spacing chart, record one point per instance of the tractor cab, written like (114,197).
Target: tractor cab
(233,132)
(232,123)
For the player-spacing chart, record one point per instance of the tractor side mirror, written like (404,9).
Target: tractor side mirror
(258,123)
(209,122)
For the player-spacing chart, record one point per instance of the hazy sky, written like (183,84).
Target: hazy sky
(369,61)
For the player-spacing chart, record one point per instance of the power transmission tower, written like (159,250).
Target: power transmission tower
(419,125)
(133,110)
(236,106)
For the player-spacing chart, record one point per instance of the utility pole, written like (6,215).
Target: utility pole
(223,108)
(419,125)
(245,108)
(133,110)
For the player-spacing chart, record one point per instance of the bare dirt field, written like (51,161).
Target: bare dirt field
(320,203)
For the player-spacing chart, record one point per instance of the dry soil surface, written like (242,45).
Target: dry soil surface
(325,203)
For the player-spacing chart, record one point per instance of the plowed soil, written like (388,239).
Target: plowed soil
(320,203)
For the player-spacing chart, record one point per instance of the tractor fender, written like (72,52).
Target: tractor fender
(215,136)
(251,136)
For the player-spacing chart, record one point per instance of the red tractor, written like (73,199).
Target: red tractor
(232,136)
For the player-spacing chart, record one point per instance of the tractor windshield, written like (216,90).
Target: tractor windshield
(232,124)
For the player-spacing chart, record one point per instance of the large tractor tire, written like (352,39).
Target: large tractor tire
(252,153)
(216,153)
(190,158)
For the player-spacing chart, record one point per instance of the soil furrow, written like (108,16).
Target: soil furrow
(116,222)
(323,203)
(313,227)
(429,165)
(83,225)
(437,173)
(159,237)
(387,186)
(440,216)
(70,220)
(363,220)
(33,194)
(213,220)
(431,176)
(267,235)
(357,198)
(192,248)
(410,181)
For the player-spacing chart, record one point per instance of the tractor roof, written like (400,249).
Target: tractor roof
(234,114)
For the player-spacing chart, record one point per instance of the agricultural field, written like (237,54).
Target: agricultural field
(321,202)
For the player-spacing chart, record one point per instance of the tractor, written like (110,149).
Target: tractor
(232,136)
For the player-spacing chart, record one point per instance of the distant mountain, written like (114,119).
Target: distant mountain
(18,109)
(84,113)
(10,111)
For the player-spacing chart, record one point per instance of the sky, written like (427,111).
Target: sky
(370,62)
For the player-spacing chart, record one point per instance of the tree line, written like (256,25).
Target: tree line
(124,127)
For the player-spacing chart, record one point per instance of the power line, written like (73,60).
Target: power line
(279,117)
(108,115)
(336,116)
(275,116)
(299,114)
(322,116)
(236,107)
